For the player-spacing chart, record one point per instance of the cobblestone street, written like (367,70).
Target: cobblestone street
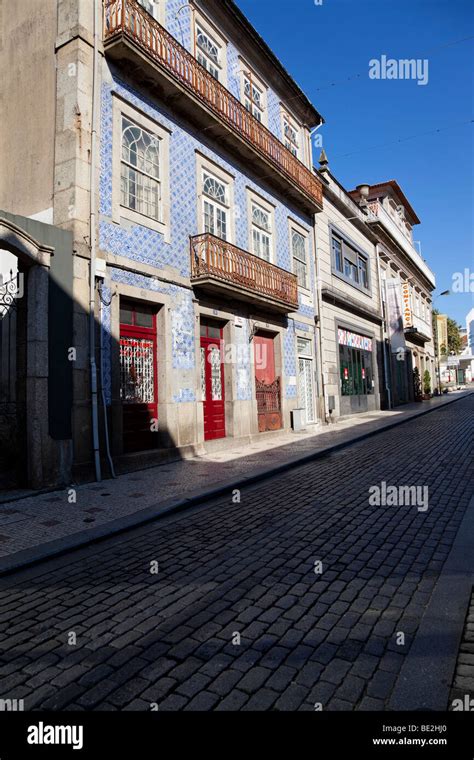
(236,618)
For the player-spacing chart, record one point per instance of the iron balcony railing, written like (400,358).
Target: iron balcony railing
(127,17)
(214,258)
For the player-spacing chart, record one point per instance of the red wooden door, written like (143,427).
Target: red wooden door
(267,384)
(138,377)
(212,382)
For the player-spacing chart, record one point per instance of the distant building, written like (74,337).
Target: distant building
(470,329)
(406,283)
(457,369)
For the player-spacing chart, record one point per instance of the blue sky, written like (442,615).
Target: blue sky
(327,43)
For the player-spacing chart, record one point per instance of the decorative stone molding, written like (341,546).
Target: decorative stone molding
(22,245)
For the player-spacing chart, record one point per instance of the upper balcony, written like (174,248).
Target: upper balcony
(134,37)
(419,330)
(219,266)
(379,215)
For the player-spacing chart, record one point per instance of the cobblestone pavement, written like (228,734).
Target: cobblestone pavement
(170,638)
(36,520)
(462,692)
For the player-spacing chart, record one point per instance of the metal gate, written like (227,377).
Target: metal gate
(12,381)
(138,379)
(268,405)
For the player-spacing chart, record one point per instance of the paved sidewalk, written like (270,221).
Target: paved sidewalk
(45,524)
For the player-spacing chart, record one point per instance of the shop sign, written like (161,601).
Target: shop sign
(407,313)
(353,340)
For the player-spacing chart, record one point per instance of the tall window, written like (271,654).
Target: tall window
(261,232)
(208,52)
(215,206)
(253,97)
(363,273)
(290,135)
(300,266)
(140,170)
(337,253)
(348,262)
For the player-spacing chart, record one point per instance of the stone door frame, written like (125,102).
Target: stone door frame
(36,258)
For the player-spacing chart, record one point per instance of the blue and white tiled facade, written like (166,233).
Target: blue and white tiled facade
(140,245)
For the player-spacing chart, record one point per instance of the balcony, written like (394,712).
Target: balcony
(379,215)
(220,267)
(132,37)
(419,330)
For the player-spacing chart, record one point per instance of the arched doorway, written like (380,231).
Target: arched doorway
(13,326)
(24,438)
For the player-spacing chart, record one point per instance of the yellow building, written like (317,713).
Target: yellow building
(441,334)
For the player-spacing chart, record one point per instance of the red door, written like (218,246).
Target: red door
(212,381)
(138,376)
(267,384)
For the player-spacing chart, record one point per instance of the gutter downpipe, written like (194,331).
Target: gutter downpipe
(319,325)
(92,232)
(320,365)
(102,391)
(384,331)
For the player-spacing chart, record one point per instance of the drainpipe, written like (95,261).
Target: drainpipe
(384,332)
(102,391)
(320,314)
(92,232)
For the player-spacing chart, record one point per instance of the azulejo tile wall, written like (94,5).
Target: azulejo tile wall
(140,244)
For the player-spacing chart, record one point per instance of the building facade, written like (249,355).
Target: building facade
(191,280)
(351,335)
(406,285)
(175,150)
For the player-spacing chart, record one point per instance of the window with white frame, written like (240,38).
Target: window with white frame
(208,51)
(299,255)
(291,134)
(363,272)
(215,205)
(140,171)
(337,252)
(253,95)
(261,225)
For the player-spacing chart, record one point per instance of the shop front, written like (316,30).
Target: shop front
(357,360)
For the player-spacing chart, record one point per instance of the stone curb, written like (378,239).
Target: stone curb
(31,556)
(424,682)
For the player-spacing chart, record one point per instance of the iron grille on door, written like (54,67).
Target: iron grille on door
(137,371)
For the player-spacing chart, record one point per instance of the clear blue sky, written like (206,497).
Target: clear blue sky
(322,44)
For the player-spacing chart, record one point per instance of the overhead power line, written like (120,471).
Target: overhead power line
(360,74)
(403,139)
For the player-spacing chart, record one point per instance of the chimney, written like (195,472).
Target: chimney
(363,191)
(323,162)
